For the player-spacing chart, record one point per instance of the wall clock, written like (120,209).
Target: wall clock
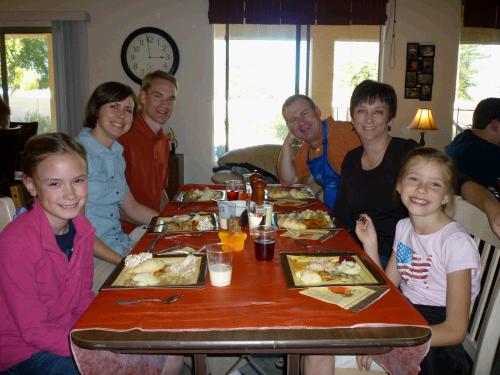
(148,49)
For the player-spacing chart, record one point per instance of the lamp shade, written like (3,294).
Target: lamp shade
(423,120)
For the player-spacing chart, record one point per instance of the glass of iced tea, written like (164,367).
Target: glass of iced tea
(264,237)
(233,189)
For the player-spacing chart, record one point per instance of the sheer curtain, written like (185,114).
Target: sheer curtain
(71,72)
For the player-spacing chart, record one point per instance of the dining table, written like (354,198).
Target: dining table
(259,312)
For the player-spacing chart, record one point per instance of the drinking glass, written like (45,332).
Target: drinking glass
(264,240)
(233,189)
(220,263)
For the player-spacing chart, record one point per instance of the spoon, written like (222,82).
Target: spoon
(169,299)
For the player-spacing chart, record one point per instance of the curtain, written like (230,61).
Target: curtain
(298,12)
(482,13)
(71,72)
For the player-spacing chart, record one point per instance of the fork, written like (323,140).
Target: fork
(302,244)
(169,299)
(189,234)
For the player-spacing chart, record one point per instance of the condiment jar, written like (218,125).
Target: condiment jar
(258,191)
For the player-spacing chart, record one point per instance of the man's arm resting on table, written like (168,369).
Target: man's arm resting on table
(286,167)
(103,252)
(480,197)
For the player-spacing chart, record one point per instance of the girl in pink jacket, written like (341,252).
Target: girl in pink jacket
(46,261)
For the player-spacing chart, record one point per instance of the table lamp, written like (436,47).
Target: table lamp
(423,121)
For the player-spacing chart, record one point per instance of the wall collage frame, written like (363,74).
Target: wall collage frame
(419,71)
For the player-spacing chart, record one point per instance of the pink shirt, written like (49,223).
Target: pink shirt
(41,294)
(424,261)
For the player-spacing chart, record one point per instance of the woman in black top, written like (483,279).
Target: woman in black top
(369,172)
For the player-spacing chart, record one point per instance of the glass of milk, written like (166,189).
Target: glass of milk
(220,263)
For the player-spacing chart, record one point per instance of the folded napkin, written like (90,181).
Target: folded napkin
(352,298)
(308,234)
(291,202)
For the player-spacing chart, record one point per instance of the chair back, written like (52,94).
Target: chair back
(483,334)
(7,211)
(10,143)
(28,130)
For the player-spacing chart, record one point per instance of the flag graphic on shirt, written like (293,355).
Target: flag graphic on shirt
(410,265)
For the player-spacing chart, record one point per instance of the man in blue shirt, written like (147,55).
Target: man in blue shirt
(477,151)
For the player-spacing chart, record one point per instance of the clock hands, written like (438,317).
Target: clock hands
(147,43)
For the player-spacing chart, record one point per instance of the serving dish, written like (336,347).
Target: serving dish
(304,220)
(198,222)
(325,268)
(200,195)
(168,271)
(277,191)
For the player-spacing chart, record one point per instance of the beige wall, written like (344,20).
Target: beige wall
(423,21)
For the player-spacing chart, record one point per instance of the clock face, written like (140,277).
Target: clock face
(148,49)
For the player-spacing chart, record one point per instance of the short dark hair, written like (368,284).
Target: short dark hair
(292,99)
(108,92)
(42,146)
(486,111)
(160,74)
(369,91)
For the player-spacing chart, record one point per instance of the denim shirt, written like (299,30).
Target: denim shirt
(107,188)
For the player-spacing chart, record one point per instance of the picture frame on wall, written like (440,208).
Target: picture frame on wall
(412,50)
(426,50)
(412,92)
(412,65)
(426,93)
(419,75)
(427,64)
(411,79)
(424,78)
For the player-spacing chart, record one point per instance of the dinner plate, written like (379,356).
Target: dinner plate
(122,278)
(185,196)
(285,192)
(278,215)
(166,224)
(294,264)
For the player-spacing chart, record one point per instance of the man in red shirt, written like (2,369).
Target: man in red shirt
(146,147)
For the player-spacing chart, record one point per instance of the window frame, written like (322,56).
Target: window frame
(3,53)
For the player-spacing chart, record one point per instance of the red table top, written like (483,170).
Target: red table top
(258,297)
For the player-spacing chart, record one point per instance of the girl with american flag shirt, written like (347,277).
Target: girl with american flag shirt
(434,260)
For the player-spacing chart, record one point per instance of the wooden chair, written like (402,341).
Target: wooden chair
(28,130)
(20,196)
(10,143)
(7,211)
(482,339)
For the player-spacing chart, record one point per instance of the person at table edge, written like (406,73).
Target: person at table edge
(146,147)
(325,143)
(369,171)
(477,150)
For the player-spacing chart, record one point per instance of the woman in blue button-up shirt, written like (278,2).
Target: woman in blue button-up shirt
(109,114)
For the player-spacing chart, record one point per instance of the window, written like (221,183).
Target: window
(353,62)
(28,81)
(477,72)
(261,76)
(477,79)
(261,72)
